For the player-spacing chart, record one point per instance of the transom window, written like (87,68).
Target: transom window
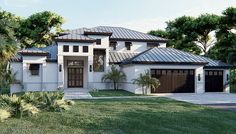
(75,48)
(98,60)
(85,49)
(78,63)
(65,48)
(34,69)
(128,45)
(98,41)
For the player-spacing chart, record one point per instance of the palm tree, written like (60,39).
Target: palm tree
(145,81)
(114,76)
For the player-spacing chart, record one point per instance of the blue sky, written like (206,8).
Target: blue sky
(142,15)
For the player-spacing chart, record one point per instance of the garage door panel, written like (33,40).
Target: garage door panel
(174,80)
(214,80)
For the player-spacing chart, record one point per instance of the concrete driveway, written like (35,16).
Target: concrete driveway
(205,98)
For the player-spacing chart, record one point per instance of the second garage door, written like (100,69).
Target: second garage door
(174,80)
(214,80)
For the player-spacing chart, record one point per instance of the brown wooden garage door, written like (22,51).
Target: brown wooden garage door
(174,80)
(214,80)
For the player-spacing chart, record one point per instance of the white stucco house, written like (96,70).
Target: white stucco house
(78,59)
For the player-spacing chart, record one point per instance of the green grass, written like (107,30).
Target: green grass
(134,116)
(108,93)
(233,88)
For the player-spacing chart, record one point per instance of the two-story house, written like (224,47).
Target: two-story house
(78,60)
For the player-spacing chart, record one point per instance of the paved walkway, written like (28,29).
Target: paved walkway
(205,98)
(227,106)
(72,94)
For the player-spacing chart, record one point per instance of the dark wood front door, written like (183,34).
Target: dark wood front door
(213,81)
(75,77)
(174,80)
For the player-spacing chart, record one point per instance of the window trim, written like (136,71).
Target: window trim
(64,48)
(99,53)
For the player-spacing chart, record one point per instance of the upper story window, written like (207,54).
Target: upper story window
(98,60)
(152,44)
(65,48)
(85,49)
(75,48)
(98,41)
(128,45)
(113,44)
(34,69)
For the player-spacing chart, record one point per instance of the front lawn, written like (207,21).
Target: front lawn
(151,115)
(109,93)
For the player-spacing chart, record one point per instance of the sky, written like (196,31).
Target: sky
(141,15)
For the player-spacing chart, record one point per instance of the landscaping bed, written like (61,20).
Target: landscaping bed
(110,93)
(149,115)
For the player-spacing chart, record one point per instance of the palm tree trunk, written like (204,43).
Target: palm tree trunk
(114,83)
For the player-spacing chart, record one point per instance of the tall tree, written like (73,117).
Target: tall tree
(203,29)
(225,48)
(39,29)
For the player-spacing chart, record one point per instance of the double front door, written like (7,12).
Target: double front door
(75,75)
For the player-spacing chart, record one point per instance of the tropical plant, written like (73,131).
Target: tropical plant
(4,114)
(145,81)
(7,77)
(115,76)
(17,106)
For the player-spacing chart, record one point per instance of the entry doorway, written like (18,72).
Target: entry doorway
(75,73)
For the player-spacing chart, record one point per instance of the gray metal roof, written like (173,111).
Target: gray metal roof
(119,57)
(115,33)
(73,36)
(124,33)
(166,56)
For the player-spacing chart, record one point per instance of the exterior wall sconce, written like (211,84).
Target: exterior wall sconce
(227,77)
(60,68)
(199,77)
(90,68)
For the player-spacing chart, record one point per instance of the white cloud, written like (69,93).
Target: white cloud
(20,3)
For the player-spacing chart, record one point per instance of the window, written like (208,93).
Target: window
(113,44)
(152,44)
(75,48)
(34,69)
(65,48)
(98,41)
(85,49)
(128,45)
(98,60)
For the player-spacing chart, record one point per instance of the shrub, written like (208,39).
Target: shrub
(17,106)
(4,114)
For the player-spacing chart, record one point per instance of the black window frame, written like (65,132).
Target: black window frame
(76,49)
(128,45)
(66,48)
(34,69)
(85,49)
(98,41)
(113,44)
(152,44)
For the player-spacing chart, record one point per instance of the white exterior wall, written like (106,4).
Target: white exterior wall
(226,81)
(136,47)
(133,71)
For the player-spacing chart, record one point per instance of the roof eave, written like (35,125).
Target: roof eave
(166,63)
(138,40)
(75,40)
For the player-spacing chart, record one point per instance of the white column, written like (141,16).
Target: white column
(226,81)
(44,77)
(90,72)
(199,80)
(60,72)
(24,76)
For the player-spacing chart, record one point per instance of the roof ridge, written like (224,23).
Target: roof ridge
(130,60)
